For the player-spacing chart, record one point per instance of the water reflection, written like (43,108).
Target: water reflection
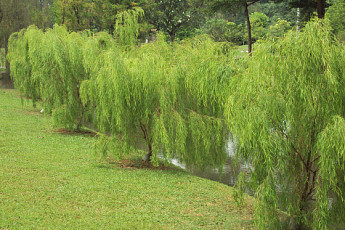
(226,175)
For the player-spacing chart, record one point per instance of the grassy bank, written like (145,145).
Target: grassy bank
(50,180)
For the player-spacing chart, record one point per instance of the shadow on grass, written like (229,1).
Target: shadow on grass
(137,163)
(81,132)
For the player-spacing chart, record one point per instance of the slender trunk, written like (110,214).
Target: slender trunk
(41,5)
(172,33)
(149,154)
(63,15)
(320,7)
(1,15)
(298,18)
(307,192)
(76,13)
(148,141)
(80,118)
(249,30)
(8,71)
(172,36)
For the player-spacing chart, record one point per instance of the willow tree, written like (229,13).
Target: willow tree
(125,94)
(172,96)
(93,48)
(190,124)
(287,116)
(237,5)
(21,67)
(62,72)
(49,66)
(127,26)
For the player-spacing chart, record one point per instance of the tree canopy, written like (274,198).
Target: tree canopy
(283,107)
(287,118)
(336,14)
(49,66)
(145,91)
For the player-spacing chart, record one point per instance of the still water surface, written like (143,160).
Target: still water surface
(229,173)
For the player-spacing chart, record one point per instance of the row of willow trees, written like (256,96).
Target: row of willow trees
(284,107)
(172,96)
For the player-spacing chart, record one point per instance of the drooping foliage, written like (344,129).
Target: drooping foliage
(222,30)
(335,14)
(191,125)
(21,68)
(287,116)
(172,95)
(127,25)
(285,112)
(49,66)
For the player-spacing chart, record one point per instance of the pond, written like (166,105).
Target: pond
(229,173)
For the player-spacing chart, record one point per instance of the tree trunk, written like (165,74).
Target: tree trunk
(249,30)
(172,36)
(320,8)
(41,5)
(1,15)
(148,141)
(63,15)
(5,78)
(149,154)
(8,72)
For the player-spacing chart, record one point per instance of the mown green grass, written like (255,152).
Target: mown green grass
(241,51)
(54,181)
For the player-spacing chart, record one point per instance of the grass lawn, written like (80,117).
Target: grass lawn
(50,180)
(241,51)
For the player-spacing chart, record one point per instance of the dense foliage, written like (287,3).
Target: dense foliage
(49,66)
(336,14)
(127,26)
(173,95)
(287,117)
(283,106)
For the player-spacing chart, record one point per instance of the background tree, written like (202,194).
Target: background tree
(14,16)
(259,23)
(336,14)
(287,117)
(221,30)
(276,11)
(279,28)
(75,14)
(169,15)
(127,26)
(94,15)
(40,12)
(237,5)
(308,7)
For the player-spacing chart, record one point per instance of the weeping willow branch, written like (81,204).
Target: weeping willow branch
(300,135)
(127,25)
(205,116)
